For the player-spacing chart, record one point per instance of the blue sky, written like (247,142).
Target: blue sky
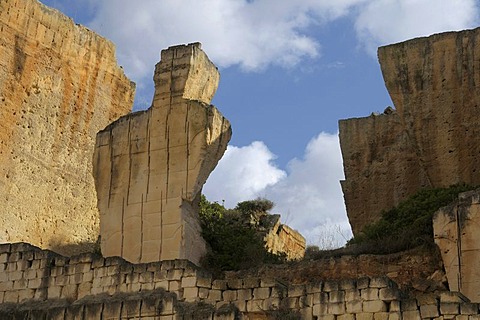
(290,69)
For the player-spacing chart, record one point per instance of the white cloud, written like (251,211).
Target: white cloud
(253,34)
(242,174)
(309,198)
(260,33)
(383,22)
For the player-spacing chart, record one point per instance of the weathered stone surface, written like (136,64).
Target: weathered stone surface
(381,166)
(456,234)
(120,289)
(281,239)
(150,166)
(59,84)
(431,140)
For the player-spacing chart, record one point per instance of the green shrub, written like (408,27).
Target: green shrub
(410,223)
(210,212)
(259,205)
(233,242)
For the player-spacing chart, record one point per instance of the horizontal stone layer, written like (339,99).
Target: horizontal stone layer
(37,282)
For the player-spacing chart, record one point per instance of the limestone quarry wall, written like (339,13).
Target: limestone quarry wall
(456,234)
(432,138)
(381,167)
(150,166)
(59,85)
(37,284)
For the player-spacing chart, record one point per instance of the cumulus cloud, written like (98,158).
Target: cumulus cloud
(309,197)
(252,34)
(243,174)
(259,33)
(256,34)
(383,22)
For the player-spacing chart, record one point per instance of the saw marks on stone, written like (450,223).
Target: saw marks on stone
(150,166)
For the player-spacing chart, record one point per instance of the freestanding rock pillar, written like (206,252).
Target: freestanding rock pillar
(150,166)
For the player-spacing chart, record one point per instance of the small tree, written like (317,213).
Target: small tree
(210,212)
(233,244)
(259,205)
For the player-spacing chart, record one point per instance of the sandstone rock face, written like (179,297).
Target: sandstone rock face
(150,166)
(59,85)
(381,167)
(278,238)
(456,234)
(283,239)
(432,138)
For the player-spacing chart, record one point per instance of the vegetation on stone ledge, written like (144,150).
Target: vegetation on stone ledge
(410,223)
(407,226)
(233,239)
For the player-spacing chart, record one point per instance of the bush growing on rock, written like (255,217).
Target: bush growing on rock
(407,226)
(233,236)
(410,223)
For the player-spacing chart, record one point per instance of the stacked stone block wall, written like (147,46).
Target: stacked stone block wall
(37,284)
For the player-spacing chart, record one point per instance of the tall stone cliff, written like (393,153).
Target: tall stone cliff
(430,140)
(59,85)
